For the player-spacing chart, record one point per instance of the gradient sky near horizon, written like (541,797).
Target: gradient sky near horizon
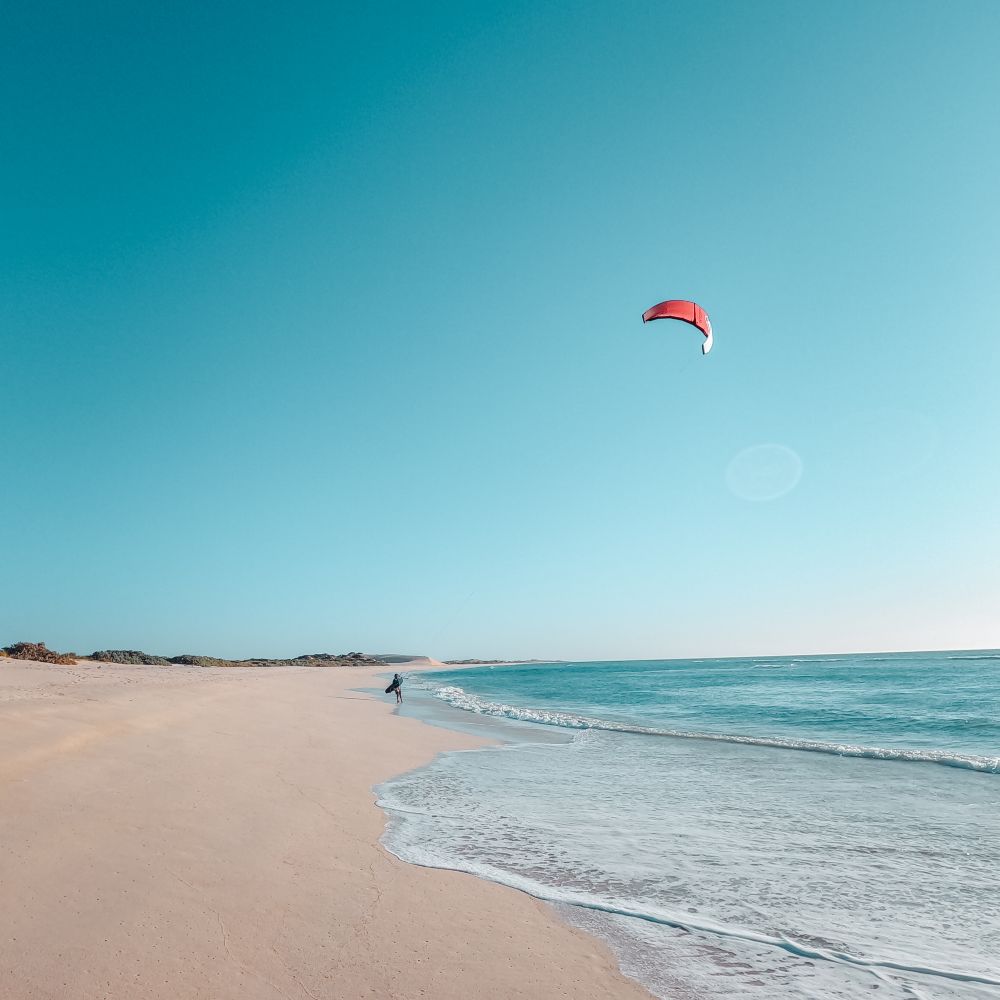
(319,327)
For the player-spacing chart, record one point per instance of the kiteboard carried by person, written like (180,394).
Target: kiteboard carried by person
(397,686)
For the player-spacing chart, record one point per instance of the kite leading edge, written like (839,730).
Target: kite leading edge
(687,312)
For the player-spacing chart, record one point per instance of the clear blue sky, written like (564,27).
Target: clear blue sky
(320,328)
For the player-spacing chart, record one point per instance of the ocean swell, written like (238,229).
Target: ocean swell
(459,698)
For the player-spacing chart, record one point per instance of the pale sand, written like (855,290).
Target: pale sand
(175,832)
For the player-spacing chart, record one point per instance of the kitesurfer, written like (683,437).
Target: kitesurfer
(397,686)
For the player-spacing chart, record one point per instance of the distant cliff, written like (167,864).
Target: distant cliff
(472,663)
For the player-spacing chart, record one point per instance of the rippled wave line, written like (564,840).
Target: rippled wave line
(460,698)
(584,901)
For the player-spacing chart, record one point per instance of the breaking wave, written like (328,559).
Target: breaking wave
(459,698)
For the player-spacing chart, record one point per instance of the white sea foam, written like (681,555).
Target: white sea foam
(468,702)
(683,922)
(812,878)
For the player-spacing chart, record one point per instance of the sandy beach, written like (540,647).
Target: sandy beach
(175,832)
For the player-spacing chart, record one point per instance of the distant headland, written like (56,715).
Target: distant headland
(486,663)
(39,652)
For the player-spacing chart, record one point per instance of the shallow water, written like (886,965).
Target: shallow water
(733,868)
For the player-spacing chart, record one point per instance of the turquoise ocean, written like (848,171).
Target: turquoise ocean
(813,826)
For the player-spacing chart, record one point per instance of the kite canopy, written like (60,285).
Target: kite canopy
(687,312)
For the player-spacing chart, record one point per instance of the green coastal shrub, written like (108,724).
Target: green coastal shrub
(129,656)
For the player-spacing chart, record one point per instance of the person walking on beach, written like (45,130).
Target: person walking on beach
(397,686)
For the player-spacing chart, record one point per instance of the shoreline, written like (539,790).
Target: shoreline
(904,832)
(206,833)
